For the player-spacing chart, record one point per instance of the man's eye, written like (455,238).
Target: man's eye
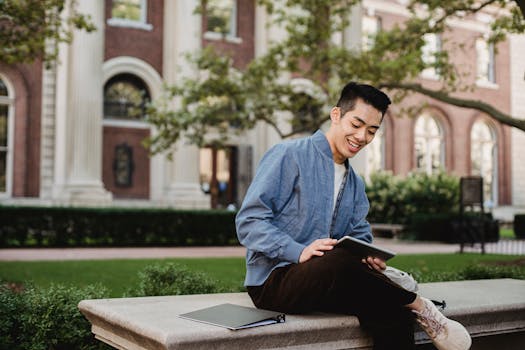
(371,132)
(355,125)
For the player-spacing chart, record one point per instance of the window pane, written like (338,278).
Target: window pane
(206,170)
(429,50)
(220,16)
(3,167)
(375,152)
(485,57)
(482,158)
(125,97)
(370,27)
(3,89)
(435,154)
(428,145)
(223,177)
(127,9)
(420,151)
(3,126)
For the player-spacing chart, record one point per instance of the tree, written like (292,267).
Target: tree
(26,26)
(221,100)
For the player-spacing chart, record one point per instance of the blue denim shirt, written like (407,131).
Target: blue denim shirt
(289,205)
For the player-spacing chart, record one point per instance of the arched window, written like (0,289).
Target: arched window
(5,106)
(428,145)
(483,159)
(125,97)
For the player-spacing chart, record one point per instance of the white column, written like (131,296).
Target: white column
(78,148)
(517,93)
(182,34)
(351,39)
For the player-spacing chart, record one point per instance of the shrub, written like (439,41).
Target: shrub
(470,272)
(396,200)
(477,272)
(172,279)
(431,194)
(386,196)
(519,225)
(12,306)
(46,319)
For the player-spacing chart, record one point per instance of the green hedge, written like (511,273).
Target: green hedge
(46,319)
(61,227)
(427,204)
(49,319)
(519,225)
(447,227)
(395,199)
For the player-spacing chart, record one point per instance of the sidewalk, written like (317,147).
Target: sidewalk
(38,254)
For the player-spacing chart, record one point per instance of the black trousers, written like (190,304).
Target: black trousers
(338,282)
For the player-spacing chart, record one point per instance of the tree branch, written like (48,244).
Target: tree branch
(459,102)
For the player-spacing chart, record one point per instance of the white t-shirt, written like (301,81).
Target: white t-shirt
(339,173)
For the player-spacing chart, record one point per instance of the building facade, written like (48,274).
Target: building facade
(73,134)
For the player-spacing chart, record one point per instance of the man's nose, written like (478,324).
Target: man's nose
(361,135)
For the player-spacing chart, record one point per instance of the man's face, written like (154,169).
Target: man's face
(348,134)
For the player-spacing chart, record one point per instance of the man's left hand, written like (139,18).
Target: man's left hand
(375,263)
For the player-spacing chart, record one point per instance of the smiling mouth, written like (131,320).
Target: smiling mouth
(354,147)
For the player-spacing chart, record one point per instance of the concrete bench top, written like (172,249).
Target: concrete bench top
(485,307)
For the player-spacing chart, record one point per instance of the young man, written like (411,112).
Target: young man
(305,196)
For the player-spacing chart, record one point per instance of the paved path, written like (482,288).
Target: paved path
(37,254)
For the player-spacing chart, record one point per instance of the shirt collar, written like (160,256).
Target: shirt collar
(321,143)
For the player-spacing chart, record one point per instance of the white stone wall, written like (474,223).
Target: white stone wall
(517,65)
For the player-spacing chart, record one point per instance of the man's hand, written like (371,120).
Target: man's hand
(317,248)
(375,263)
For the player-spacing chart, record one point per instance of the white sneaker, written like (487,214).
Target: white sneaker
(446,334)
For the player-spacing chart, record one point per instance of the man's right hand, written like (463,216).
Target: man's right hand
(317,248)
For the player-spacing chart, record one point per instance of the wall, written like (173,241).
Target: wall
(27,84)
(244,51)
(457,122)
(140,43)
(133,137)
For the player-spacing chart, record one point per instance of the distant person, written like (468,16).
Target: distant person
(304,196)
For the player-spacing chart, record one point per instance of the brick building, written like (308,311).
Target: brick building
(72,135)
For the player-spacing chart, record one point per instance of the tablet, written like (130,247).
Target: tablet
(363,249)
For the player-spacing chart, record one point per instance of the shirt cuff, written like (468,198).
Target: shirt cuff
(292,251)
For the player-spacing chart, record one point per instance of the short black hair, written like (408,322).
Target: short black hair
(369,94)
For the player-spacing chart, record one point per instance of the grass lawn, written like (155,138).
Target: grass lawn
(507,233)
(116,275)
(119,275)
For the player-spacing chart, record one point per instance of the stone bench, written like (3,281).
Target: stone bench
(493,311)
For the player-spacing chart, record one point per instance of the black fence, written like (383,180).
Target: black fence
(503,246)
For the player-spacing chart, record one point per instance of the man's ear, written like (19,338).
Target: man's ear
(335,114)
